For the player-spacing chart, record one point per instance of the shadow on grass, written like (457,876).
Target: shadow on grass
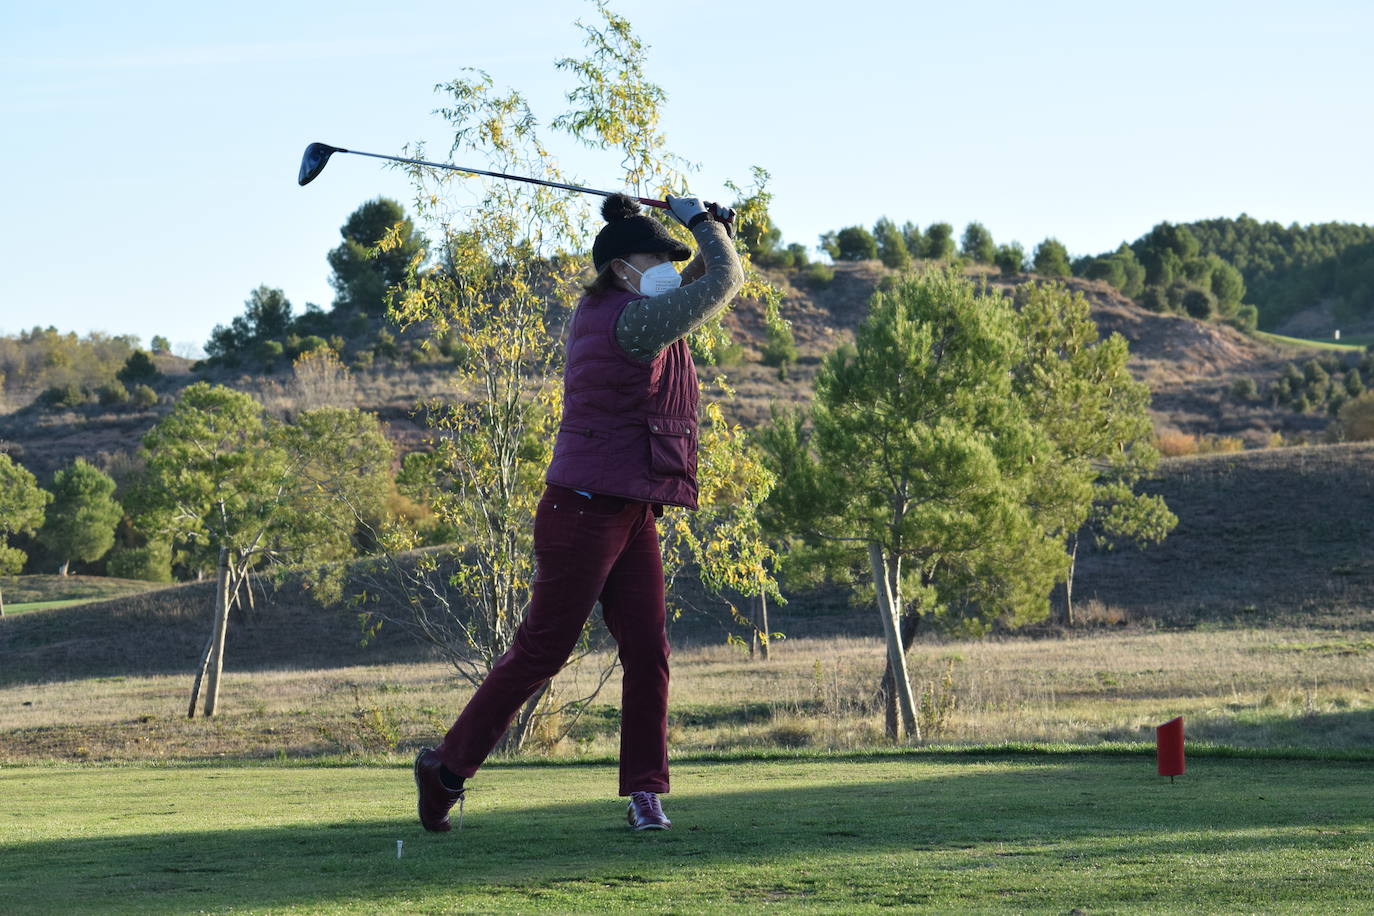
(1351,728)
(1042,816)
(1263,727)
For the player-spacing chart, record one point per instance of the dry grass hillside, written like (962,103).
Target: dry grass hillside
(1277,533)
(1189,366)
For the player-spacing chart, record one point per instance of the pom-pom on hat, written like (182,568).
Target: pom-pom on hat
(628,231)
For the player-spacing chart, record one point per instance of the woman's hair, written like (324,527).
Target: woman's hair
(602,283)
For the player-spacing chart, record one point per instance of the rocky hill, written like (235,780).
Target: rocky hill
(1189,365)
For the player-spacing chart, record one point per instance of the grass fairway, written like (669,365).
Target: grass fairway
(1353,343)
(37,593)
(17,609)
(1090,834)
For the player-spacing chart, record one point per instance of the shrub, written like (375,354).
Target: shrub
(1246,318)
(820,274)
(269,351)
(829,244)
(1010,258)
(357,325)
(1154,299)
(797,252)
(68,395)
(855,243)
(1052,258)
(1109,270)
(725,353)
(781,258)
(1356,418)
(144,396)
(138,368)
(1354,383)
(1244,389)
(940,241)
(915,239)
(309,345)
(891,246)
(1215,445)
(1199,303)
(1174,445)
(112,395)
(780,347)
(977,244)
(150,563)
(1226,282)
(385,347)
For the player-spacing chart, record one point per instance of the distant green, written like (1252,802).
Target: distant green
(1059,834)
(17,609)
(1351,344)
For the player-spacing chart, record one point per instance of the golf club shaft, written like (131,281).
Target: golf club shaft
(648,202)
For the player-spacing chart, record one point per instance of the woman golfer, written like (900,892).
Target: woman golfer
(625,449)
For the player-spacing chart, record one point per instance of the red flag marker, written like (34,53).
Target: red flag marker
(1169,748)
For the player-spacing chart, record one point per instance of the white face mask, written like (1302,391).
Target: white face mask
(657,279)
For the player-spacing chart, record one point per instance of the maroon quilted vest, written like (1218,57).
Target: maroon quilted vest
(629,427)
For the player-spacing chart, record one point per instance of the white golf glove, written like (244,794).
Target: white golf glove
(689,210)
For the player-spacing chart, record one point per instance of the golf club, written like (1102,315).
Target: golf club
(317,156)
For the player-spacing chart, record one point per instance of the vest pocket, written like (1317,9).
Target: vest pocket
(672,446)
(581,432)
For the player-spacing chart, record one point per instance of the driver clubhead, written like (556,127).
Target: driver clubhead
(314,160)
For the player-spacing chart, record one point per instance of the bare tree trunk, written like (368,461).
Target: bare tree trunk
(753,628)
(514,738)
(62,570)
(2,602)
(760,625)
(891,724)
(910,625)
(220,628)
(896,656)
(1068,582)
(200,676)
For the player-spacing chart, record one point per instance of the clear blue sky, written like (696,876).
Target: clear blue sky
(150,149)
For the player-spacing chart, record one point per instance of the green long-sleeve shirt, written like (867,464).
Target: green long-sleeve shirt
(709,282)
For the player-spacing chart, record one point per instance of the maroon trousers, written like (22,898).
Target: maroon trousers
(585,550)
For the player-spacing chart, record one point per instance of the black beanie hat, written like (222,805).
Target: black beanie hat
(627,231)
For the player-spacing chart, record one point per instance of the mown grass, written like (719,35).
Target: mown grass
(1074,833)
(45,591)
(1354,343)
(17,609)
